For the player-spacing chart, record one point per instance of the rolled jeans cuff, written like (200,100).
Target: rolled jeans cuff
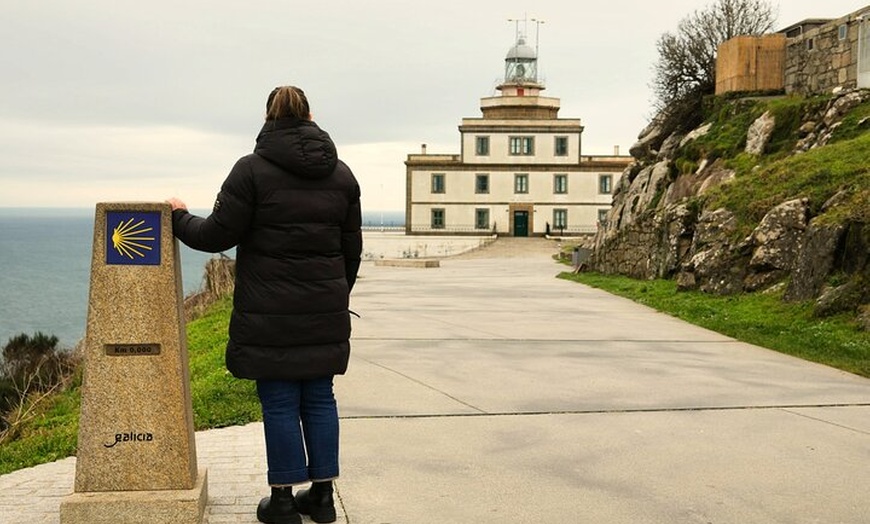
(323,473)
(292,477)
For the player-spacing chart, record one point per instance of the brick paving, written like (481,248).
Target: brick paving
(234,456)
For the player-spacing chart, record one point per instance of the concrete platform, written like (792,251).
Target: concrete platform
(489,391)
(408,262)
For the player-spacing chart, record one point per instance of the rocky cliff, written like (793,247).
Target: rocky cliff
(769,194)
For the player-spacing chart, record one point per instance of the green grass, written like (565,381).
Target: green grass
(760,319)
(218,399)
(854,124)
(816,175)
(766,181)
(49,436)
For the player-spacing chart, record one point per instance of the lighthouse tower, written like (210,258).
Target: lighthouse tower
(520,92)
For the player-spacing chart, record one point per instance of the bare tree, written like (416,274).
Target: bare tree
(686,68)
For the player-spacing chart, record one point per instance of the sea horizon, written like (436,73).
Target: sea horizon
(45,257)
(81,210)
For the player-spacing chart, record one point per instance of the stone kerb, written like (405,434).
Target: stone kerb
(136,457)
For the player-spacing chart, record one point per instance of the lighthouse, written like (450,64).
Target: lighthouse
(520,171)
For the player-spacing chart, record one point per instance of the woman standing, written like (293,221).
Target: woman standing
(293,211)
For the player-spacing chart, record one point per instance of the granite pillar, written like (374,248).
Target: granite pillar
(136,458)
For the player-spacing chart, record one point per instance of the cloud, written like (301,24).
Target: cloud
(69,165)
(114,98)
(380,170)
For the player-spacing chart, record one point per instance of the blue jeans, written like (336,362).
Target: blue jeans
(300,420)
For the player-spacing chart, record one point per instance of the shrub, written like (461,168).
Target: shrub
(32,367)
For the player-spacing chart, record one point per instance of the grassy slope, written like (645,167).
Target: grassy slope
(219,399)
(816,175)
(760,184)
(760,319)
(763,182)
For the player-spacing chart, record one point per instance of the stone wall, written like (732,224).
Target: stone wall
(817,56)
(824,57)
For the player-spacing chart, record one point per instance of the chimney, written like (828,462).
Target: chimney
(615,150)
(423,148)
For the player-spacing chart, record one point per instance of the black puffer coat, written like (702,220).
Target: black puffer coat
(293,210)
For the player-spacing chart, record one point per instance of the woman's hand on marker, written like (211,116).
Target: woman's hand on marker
(176,204)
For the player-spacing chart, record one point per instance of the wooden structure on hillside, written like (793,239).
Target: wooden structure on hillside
(751,63)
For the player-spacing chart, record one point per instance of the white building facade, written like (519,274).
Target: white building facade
(520,171)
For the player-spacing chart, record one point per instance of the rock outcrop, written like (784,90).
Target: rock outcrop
(659,227)
(759,133)
(776,243)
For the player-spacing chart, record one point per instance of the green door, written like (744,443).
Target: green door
(521,223)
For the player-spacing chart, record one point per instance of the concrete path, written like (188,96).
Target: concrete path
(488,391)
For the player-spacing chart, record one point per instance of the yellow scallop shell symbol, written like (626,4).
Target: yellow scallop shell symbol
(127,238)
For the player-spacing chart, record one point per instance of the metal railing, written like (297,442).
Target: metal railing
(372,227)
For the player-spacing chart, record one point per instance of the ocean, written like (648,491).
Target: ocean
(45,259)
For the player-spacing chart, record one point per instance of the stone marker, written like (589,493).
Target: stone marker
(136,458)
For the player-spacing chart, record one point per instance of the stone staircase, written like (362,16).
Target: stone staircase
(514,247)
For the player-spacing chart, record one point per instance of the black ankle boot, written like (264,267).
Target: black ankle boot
(280,508)
(317,502)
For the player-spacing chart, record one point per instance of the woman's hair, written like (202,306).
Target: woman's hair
(287,101)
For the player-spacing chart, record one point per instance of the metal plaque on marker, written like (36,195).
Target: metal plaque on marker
(132,350)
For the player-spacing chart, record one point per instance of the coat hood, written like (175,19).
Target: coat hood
(297,146)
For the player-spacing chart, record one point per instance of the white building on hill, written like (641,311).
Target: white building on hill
(520,170)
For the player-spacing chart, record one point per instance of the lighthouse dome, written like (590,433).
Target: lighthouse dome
(521,51)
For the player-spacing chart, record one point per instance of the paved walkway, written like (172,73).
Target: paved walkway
(488,391)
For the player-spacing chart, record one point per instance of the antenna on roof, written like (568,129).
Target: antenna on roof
(516,21)
(538,23)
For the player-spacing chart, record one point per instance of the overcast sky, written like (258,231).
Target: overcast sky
(114,100)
